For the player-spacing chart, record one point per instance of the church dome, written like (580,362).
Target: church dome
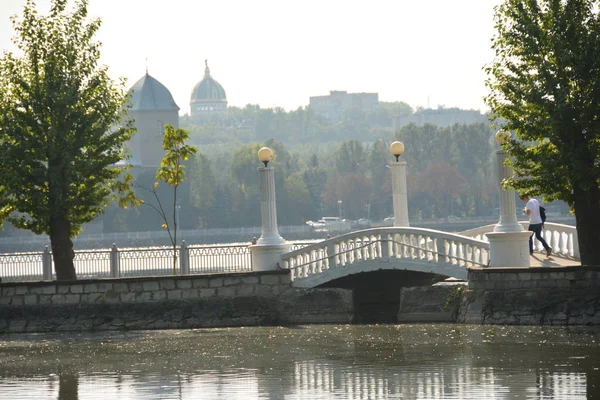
(150,94)
(208,89)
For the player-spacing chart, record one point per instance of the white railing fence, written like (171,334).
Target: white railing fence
(562,238)
(131,262)
(387,244)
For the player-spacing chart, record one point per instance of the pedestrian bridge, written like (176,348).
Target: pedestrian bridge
(407,248)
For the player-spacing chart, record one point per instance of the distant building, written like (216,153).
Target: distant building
(208,102)
(152,108)
(337,103)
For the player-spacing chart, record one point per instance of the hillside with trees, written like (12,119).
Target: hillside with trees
(449,172)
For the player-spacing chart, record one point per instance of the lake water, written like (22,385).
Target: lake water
(422,361)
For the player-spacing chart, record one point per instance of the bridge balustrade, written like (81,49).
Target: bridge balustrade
(387,245)
(562,238)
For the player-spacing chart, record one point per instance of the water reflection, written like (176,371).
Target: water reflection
(312,362)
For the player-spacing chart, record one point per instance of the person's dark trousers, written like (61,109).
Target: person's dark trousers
(537,230)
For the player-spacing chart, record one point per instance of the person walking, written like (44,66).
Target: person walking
(532,209)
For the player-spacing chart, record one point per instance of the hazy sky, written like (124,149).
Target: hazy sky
(281,52)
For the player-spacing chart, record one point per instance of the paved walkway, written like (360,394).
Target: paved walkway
(539,259)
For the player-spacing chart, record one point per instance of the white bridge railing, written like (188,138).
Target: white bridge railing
(562,238)
(387,244)
(133,262)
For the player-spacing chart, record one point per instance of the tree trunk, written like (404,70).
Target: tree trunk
(62,249)
(68,386)
(587,217)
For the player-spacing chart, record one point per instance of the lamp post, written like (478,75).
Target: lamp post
(267,251)
(509,243)
(340,208)
(399,192)
(268,210)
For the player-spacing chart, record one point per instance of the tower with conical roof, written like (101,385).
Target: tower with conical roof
(152,108)
(208,102)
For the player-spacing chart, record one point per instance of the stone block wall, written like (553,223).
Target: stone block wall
(234,299)
(532,296)
(437,303)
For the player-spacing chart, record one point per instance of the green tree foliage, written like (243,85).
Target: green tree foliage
(296,204)
(310,179)
(315,179)
(395,108)
(350,157)
(441,184)
(201,193)
(60,132)
(467,148)
(545,86)
(172,172)
(304,126)
(243,164)
(378,173)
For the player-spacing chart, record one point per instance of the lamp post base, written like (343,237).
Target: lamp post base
(509,249)
(267,257)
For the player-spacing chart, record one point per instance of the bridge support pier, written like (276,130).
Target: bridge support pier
(268,257)
(509,249)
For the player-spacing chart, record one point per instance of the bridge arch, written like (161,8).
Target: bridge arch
(391,248)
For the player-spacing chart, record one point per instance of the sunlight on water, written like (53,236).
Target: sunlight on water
(305,362)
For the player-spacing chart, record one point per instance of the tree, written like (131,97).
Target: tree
(60,129)
(172,172)
(378,173)
(202,187)
(545,86)
(443,184)
(350,157)
(296,207)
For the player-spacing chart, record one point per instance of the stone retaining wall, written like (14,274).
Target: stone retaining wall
(234,299)
(516,296)
(437,303)
(532,296)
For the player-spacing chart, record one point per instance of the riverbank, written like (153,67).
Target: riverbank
(193,301)
(498,296)
(532,296)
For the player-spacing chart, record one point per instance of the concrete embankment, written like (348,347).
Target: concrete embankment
(236,299)
(516,296)
(532,296)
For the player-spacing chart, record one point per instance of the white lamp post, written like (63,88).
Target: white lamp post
(509,243)
(266,253)
(508,216)
(399,193)
(340,209)
(268,208)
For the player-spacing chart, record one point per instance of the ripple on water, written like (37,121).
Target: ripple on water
(305,362)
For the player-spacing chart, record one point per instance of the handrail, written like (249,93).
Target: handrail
(562,238)
(119,262)
(431,246)
(393,230)
(385,241)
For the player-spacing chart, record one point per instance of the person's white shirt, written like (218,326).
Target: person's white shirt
(534,207)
